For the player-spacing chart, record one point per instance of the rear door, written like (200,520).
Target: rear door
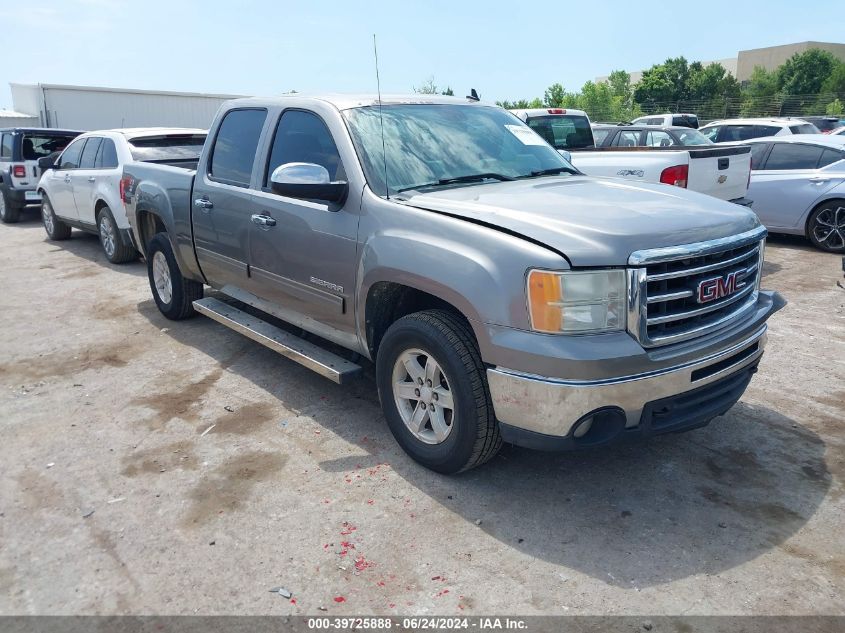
(301,259)
(222,200)
(85,180)
(60,182)
(788,184)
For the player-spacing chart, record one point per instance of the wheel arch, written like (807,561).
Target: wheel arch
(834,195)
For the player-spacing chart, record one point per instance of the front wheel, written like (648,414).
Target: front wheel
(55,228)
(826,227)
(433,390)
(117,252)
(174,294)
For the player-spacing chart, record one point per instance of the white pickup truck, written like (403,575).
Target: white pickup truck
(644,154)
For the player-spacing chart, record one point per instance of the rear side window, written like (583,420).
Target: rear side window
(793,156)
(599,136)
(658,138)
(90,152)
(804,128)
(6,146)
(712,132)
(745,132)
(829,156)
(627,138)
(166,148)
(563,131)
(302,137)
(758,151)
(70,157)
(107,156)
(235,147)
(35,146)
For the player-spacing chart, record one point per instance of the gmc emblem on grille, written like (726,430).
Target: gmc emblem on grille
(718,287)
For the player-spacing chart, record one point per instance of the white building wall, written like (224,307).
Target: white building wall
(92,108)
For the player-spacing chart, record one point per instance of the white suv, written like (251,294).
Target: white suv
(732,130)
(678,119)
(83,188)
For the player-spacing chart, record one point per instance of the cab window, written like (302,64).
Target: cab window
(70,157)
(658,138)
(627,138)
(233,153)
(302,137)
(793,156)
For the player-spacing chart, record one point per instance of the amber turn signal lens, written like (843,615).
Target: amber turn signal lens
(544,297)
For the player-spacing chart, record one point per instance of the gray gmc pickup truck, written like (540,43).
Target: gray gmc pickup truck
(501,294)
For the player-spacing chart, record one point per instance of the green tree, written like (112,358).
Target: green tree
(835,83)
(620,85)
(760,96)
(805,73)
(655,86)
(554,96)
(835,107)
(711,82)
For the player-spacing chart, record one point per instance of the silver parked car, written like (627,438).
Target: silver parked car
(798,187)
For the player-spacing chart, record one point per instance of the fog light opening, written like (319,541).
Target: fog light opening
(599,426)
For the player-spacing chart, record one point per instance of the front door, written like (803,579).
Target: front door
(85,181)
(302,252)
(222,200)
(61,181)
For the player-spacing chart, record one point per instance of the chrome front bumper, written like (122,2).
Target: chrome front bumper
(552,406)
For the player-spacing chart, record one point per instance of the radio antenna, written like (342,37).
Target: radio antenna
(381,120)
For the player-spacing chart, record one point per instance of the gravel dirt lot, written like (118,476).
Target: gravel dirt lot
(217,470)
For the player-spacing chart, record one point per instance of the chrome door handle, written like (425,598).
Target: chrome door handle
(818,179)
(91,179)
(203,203)
(263,220)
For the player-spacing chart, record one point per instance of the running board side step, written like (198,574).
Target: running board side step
(298,350)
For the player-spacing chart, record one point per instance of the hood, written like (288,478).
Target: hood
(593,221)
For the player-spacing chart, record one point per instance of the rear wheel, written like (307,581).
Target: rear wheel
(114,247)
(433,390)
(826,226)
(56,229)
(174,294)
(9,211)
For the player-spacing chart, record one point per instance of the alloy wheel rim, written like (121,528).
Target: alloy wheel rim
(161,277)
(107,235)
(423,397)
(47,217)
(829,227)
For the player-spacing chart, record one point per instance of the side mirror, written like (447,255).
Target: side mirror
(566,154)
(307,181)
(45,163)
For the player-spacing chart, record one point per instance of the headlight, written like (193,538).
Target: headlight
(577,301)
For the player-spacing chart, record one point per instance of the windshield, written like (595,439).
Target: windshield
(692,137)
(430,143)
(35,146)
(169,147)
(563,131)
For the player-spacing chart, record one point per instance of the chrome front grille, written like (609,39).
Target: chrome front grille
(663,287)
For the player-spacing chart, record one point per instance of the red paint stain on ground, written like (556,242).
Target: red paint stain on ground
(380,583)
(362,563)
(348,528)
(339,599)
(370,502)
(345,547)
(442,593)
(293,600)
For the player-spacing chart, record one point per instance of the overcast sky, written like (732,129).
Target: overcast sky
(262,47)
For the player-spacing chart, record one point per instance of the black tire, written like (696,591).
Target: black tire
(826,226)
(55,228)
(183,291)
(474,437)
(10,213)
(116,250)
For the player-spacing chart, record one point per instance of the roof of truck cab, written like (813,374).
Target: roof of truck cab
(137,132)
(348,101)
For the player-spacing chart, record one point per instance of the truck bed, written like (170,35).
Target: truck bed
(720,171)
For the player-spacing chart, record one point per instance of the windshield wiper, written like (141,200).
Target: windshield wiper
(458,180)
(554,171)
